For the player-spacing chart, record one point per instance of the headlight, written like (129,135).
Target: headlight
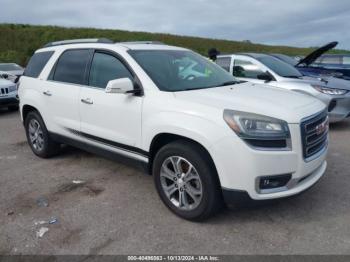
(259,130)
(330,91)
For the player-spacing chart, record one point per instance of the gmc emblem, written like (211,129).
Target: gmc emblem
(323,127)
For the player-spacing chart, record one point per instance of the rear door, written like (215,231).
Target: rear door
(110,120)
(62,91)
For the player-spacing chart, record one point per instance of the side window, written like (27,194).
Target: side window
(331,60)
(71,66)
(246,69)
(37,63)
(346,60)
(106,67)
(224,62)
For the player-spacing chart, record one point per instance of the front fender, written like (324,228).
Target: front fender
(197,128)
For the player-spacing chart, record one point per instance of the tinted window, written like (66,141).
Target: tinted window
(105,68)
(224,62)
(330,60)
(37,63)
(246,69)
(71,66)
(180,70)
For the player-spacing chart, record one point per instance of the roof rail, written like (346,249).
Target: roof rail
(80,41)
(142,43)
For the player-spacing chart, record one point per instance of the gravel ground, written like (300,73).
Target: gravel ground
(117,210)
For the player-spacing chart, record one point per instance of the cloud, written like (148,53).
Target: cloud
(278,22)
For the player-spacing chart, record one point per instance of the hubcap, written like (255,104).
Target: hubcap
(36,135)
(181,183)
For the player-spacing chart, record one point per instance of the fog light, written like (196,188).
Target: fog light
(271,182)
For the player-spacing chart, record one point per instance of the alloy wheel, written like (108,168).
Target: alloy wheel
(181,183)
(36,135)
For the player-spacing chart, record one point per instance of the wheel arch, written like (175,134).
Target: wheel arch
(26,109)
(165,138)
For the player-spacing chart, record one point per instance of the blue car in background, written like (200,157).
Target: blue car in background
(318,65)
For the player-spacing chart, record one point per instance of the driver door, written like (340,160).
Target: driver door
(247,71)
(109,120)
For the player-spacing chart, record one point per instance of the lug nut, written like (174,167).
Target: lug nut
(176,185)
(175,178)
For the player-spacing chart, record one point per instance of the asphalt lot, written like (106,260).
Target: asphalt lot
(117,210)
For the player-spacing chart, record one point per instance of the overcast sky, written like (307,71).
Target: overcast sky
(277,22)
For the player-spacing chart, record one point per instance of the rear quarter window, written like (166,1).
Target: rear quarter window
(36,63)
(224,62)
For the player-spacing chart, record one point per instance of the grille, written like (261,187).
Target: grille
(4,91)
(314,131)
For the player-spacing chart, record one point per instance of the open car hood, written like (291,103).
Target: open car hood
(309,59)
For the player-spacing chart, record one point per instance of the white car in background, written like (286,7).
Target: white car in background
(11,71)
(205,137)
(269,70)
(8,94)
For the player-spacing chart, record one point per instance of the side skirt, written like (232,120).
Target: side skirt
(138,164)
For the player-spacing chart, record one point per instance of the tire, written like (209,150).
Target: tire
(13,108)
(202,177)
(43,146)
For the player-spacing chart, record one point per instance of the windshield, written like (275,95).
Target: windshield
(178,70)
(279,67)
(10,67)
(287,59)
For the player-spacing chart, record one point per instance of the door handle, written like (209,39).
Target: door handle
(87,101)
(47,93)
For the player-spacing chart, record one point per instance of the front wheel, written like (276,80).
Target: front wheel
(186,180)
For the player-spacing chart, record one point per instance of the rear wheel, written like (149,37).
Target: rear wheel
(38,137)
(186,180)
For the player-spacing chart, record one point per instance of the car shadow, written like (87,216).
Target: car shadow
(339,126)
(5,112)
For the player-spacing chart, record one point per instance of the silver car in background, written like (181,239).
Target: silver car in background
(262,68)
(11,71)
(8,94)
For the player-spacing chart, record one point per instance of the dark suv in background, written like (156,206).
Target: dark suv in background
(316,63)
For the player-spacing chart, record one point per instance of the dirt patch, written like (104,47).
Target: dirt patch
(21,143)
(93,190)
(97,249)
(69,187)
(70,237)
(86,188)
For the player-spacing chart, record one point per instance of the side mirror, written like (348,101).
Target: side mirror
(120,86)
(267,77)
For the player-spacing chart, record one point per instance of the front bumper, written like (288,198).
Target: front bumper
(338,106)
(240,167)
(11,99)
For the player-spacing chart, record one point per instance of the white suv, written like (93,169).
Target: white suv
(206,138)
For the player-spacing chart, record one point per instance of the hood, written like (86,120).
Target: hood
(5,83)
(331,82)
(259,99)
(309,59)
